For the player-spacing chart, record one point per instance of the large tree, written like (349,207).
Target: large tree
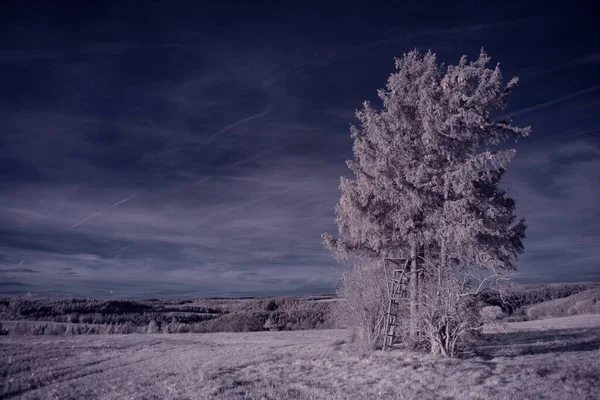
(426,183)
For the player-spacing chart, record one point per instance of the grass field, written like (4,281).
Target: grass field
(512,362)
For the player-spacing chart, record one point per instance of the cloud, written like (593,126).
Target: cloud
(9,286)
(561,210)
(19,270)
(234,151)
(27,55)
(262,221)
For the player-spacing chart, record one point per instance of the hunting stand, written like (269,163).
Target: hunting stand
(398,289)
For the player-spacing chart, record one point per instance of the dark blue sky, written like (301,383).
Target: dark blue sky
(156,150)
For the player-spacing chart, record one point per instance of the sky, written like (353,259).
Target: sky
(158,150)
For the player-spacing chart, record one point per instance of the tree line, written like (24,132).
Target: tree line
(54,316)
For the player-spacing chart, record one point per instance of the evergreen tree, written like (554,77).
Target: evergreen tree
(426,183)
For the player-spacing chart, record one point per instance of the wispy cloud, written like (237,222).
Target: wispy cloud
(235,148)
(19,269)
(266,221)
(561,211)
(91,49)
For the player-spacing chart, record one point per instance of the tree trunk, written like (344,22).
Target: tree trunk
(442,264)
(421,273)
(435,345)
(443,249)
(413,284)
(447,344)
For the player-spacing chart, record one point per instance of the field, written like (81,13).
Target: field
(550,360)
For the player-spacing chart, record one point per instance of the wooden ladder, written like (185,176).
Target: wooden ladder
(397,290)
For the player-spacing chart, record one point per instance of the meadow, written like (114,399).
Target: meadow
(544,359)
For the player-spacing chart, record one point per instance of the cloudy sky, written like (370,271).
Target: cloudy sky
(154,150)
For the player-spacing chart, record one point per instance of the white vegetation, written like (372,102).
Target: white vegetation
(364,301)
(426,188)
(153,327)
(491,313)
(585,302)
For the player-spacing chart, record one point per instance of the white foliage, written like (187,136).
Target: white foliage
(425,175)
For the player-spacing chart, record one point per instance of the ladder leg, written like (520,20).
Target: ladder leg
(390,318)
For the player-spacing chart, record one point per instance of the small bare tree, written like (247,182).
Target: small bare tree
(447,311)
(364,298)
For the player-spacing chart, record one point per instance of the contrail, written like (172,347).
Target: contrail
(447,31)
(551,102)
(243,121)
(585,132)
(236,178)
(100,212)
(246,203)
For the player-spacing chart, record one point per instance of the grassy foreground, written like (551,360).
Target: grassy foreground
(514,364)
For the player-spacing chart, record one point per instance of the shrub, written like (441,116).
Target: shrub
(153,327)
(363,305)
(55,329)
(69,330)
(491,313)
(271,325)
(446,313)
(238,322)
(21,328)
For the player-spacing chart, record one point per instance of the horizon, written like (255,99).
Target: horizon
(327,296)
(189,151)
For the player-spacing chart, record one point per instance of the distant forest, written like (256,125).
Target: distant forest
(58,316)
(94,316)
